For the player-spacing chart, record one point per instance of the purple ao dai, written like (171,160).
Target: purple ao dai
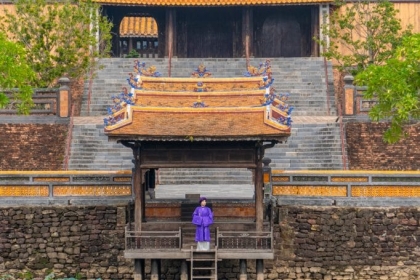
(202,218)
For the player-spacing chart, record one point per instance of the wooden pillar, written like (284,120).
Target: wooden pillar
(155,269)
(260,269)
(143,195)
(259,199)
(242,270)
(314,30)
(138,189)
(247,31)
(138,269)
(130,44)
(170,47)
(184,270)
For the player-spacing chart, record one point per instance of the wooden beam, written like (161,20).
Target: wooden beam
(195,165)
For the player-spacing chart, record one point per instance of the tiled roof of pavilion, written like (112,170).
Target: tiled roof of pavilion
(138,27)
(180,3)
(201,107)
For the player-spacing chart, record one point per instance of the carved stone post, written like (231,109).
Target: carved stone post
(260,269)
(349,95)
(138,269)
(155,267)
(184,270)
(242,270)
(64,98)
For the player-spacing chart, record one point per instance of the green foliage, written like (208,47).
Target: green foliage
(61,37)
(26,275)
(15,73)
(396,86)
(367,31)
(132,54)
(6,277)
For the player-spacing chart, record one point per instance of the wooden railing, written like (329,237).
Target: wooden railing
(47,101)
(244,240)
(153,240)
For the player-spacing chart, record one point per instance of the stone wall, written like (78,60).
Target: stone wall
(367,150)
(347,243)
(32,146)
(323,242)
(88,241)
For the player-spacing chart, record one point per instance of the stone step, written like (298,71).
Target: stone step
(304,78)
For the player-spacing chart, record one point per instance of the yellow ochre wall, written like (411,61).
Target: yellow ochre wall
(408,13)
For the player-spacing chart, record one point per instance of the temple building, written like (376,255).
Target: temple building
(218,28)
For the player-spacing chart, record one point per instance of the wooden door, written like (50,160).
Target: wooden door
(281,36)
(209,33)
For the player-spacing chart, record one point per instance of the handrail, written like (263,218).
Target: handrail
(147,240)
(45,101)
(245,240)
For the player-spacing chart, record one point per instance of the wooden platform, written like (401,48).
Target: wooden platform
(185,254)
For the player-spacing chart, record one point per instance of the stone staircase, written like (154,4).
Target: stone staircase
(315,140)
(90,150)
(303,78)
(310,146)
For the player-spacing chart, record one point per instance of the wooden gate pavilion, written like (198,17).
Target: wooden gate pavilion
(198,122)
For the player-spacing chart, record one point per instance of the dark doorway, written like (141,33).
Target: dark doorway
(283,31)
(281,37)
(207,32)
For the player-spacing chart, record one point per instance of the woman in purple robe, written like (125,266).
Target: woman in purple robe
(202,218)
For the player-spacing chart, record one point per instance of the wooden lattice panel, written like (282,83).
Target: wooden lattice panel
(51,179)
(385,191)
(349,179)
(24,191)
(92,190)
(280,178)
(310,190)
(122,179)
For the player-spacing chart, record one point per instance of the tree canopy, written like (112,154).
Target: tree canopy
(60,37)
(15,74)
(361,33)
(396,87)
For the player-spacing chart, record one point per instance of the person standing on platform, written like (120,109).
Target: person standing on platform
(202,218)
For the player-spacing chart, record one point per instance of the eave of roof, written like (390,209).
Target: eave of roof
(144,27)
(212,3)
(201,124)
